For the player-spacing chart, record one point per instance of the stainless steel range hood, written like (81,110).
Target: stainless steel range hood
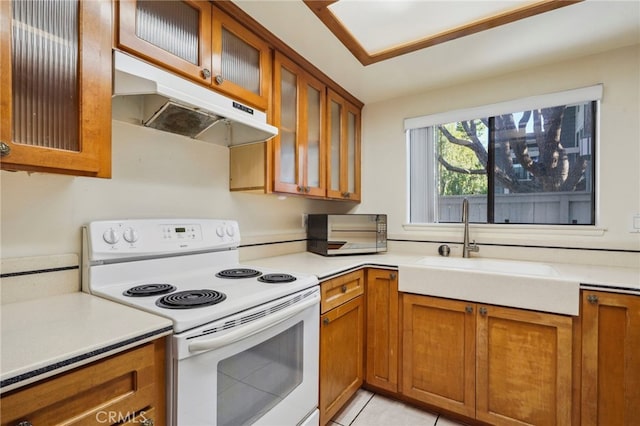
(150,96)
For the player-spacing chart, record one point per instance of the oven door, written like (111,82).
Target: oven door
(259,367)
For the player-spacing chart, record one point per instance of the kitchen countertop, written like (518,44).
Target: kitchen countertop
(43,337)
(623,280)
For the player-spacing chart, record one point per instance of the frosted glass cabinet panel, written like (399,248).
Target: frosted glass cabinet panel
(299,149)
(56,106)
(344,152)
(175,34)
(241,61)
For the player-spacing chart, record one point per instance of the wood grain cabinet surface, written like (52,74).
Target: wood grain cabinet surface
(610,359)
(55,92)
(125,388)
(381,357)
(499,365)
(201,42)
(341,342)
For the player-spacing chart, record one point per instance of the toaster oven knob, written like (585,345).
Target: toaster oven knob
(130,235)
(110,236)
(230,231)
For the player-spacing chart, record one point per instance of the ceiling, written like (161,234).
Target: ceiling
(579,29)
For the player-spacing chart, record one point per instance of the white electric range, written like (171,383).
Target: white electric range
(245,343)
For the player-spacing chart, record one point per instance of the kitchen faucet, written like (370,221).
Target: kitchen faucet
(467,247)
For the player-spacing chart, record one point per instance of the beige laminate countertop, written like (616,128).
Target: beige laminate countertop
(43,337)
(625,280)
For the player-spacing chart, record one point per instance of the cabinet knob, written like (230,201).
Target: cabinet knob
(147,422)
(307,189)
(343,288)
(4,149)
(206,73)
(483,311)
(392,276)
(346,194)
(325,320)
(24,423)
(219,79)
(592,298)
(468,309)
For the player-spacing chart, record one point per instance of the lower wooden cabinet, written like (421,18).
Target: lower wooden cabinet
(341,343)
(381,357)
(125,388)
(610,359)
(499,365)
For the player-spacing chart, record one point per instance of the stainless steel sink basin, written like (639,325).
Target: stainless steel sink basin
(526,285)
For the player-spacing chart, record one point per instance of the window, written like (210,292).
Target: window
(530,161)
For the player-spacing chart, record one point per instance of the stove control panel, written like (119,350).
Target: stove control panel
(139,238)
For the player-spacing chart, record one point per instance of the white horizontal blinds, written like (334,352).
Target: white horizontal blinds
(45,73)
(171,25)
(568,97)
(240,62)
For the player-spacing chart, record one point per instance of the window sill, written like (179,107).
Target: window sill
(512,231)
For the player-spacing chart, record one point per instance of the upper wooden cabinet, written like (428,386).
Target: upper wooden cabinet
(55,93)
(610,358)
(343,159)
(199,41)
(298,112)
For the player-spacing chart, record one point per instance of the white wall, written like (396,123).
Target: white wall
(155,174)
(618,174)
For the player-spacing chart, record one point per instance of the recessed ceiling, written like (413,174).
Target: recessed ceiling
(585,28)
(377,30)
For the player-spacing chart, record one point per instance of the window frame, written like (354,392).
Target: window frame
(568,97)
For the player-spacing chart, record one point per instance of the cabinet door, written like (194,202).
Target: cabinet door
(341,356)
(610,358)
(439,352)
(524,367)
(55,97)
(241,61)
(124,385)
(343,157)
(173,34)
(382,329)
(299,148)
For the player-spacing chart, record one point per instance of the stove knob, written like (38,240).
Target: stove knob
(130,235)
(110,236)
(220,231)
(230,230)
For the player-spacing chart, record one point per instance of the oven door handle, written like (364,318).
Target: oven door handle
(255,327)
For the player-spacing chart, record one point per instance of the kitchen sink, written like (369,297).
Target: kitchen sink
(526,285)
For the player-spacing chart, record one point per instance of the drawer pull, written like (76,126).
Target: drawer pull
(393,276)
(325,321)
(468,309)
(24,423)
(592,298)
(343,288)
(147,422)
(483,311)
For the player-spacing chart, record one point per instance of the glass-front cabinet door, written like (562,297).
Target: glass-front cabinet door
(299,149)
(343,155)
(174,34)
(55,97)
(241,61)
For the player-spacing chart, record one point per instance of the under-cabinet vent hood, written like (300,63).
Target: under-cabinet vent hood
(150,96)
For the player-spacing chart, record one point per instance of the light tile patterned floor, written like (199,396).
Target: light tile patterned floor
(369,409)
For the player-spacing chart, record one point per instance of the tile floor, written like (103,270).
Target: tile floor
(369,409)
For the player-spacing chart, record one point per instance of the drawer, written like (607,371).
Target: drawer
(120,386)
(339,290)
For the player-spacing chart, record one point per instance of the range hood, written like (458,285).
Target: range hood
(150,96)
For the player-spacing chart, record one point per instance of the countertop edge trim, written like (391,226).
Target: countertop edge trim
(34,374)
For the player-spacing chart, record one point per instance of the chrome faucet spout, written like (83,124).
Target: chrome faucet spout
(466,246)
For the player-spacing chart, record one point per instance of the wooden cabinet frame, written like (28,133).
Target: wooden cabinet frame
(94,90)
(128,41)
